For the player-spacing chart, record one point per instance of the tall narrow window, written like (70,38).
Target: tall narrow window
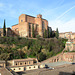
(29,34)
(43,25)
(29,26)
(29,29)
(37,27)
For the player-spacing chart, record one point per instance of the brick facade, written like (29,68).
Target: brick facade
(24,27)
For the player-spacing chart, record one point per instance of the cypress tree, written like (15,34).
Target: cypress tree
(4,29)
(57,33)
(45,34)
(48,33)
(51,33)
(33,34)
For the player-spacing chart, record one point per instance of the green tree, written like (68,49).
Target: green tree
(33,34)
(41,56)
(4,56)
(45,33)
(4,29)
(57,33)
(51,33)
(48,33)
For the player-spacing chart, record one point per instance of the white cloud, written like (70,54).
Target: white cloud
(63,26)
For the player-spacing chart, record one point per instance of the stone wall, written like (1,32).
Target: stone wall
(68,56)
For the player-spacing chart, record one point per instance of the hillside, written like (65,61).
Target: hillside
(17,48)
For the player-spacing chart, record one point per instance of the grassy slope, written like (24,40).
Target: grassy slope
(40,48)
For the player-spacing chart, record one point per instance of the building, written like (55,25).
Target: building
(26,24)
(69,57)
(65,56)
(19,65)
(2,64)
(9,32)
(70,45)
(22,62)
(67,35)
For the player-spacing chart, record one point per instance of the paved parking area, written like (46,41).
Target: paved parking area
(61,68)
(64,70)
(57,63)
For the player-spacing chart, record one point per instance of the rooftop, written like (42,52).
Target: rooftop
(24,59)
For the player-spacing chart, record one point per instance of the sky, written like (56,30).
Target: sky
(59,13)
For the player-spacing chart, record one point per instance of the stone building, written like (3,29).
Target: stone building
(69,57)
(19,65)
(22,62)
(67,35)
(66,56)
(70,45)
(9,32)
(24,27)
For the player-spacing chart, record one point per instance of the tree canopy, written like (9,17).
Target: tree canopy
(57,33)
(4,29)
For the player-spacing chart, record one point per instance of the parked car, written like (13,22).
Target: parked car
(73,63)
(50,68)
(46,66)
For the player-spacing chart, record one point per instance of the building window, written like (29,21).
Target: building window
(43,25)
(34,66)
(25,62)
(21,20)
(14,68)
(29,26)
(16,63)
(29,67)
(20,63)
(19,68)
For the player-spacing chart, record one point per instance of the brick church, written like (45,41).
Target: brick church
(24,27)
